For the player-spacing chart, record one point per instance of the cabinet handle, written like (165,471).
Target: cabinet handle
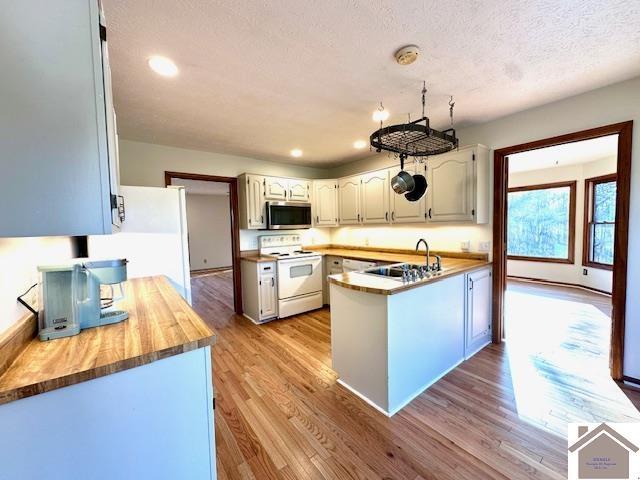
(273,282)
(429,213)
(317,219)
(358,217)
(471,284)
(386,216)
(261,218)
(393,216)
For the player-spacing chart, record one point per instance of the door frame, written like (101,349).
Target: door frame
(624,130)
(235,225)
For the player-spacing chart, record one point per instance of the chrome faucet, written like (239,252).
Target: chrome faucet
(422,240)
(437,265)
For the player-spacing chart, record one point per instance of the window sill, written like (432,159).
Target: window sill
(566,261)
(598,266)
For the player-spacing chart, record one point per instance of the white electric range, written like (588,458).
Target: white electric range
(299,274)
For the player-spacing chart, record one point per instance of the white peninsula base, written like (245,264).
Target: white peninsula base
(387,349)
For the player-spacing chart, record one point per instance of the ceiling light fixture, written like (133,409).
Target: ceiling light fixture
(359,144)
(296,152)
(407,54)
(163,66)
(380,115)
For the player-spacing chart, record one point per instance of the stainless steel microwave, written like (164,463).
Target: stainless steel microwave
(288,215)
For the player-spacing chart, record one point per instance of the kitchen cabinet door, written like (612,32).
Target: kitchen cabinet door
(325,203)
(404,211)
(478,311)
(256,206)
(349,200)
(268,296)
(451,178)
(58,135)
(276,188)
(374,197)
(299,190)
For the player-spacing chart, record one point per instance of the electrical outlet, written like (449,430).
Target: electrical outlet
(205,260)
(485,246)
(465,246)
(585,271)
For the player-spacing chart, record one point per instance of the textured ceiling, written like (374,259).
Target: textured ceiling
(562,155)
(258,78)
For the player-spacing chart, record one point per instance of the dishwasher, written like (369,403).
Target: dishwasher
(349,265)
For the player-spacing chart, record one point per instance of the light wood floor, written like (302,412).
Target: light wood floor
(281,414)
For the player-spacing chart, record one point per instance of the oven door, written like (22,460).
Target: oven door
(299,276)
(288,215)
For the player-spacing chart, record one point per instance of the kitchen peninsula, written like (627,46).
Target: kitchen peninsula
(127,400)
(391,339)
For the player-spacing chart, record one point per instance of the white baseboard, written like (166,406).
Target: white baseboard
(412,397)
(361,396)
(467,357)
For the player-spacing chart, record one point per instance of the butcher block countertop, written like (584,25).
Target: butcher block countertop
(387,286)
(160,324)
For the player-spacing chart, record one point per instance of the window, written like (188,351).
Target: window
(541,222)
(599,221)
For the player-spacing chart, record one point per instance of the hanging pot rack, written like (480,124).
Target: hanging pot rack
(417,138)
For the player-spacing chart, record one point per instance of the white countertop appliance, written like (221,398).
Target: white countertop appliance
(299,274)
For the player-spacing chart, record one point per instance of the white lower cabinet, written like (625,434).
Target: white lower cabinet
(478,286)
(259,291)
(332,266)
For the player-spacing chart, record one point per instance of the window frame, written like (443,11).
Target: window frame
(572,184)
(589,207)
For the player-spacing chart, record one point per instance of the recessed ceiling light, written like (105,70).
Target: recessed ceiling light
(359,144)
(296,152)
(163,66)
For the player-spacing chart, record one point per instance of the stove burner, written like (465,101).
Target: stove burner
(302,251)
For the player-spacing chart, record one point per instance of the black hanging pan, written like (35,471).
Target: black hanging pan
(419,190)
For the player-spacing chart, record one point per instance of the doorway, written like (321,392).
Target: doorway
(214,232)
(502,161)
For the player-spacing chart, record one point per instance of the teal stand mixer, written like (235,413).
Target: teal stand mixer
(71,300)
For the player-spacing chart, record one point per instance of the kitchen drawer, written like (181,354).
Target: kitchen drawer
(334,261)
(296,305)
(269,267)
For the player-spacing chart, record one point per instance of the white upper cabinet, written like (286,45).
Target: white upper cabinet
(325,203)
(287,189)
(276,188)
(299,190)
(349,200)
(374,197)
(251,196)
(458,186)
(402,210)
(56,117)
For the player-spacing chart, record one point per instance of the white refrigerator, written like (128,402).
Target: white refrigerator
(153,237)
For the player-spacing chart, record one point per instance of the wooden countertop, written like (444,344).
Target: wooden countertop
(254,256)
(391,256)
(387,286)
(160,324)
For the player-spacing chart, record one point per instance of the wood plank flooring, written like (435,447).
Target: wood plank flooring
(281,414)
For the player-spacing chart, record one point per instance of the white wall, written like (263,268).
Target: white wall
(19,258)
(209,224)
(144,164)
(612,104)
(567,273)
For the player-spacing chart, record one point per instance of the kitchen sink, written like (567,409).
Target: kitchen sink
(395,271)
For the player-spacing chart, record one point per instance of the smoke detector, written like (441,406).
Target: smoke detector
(407,54)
